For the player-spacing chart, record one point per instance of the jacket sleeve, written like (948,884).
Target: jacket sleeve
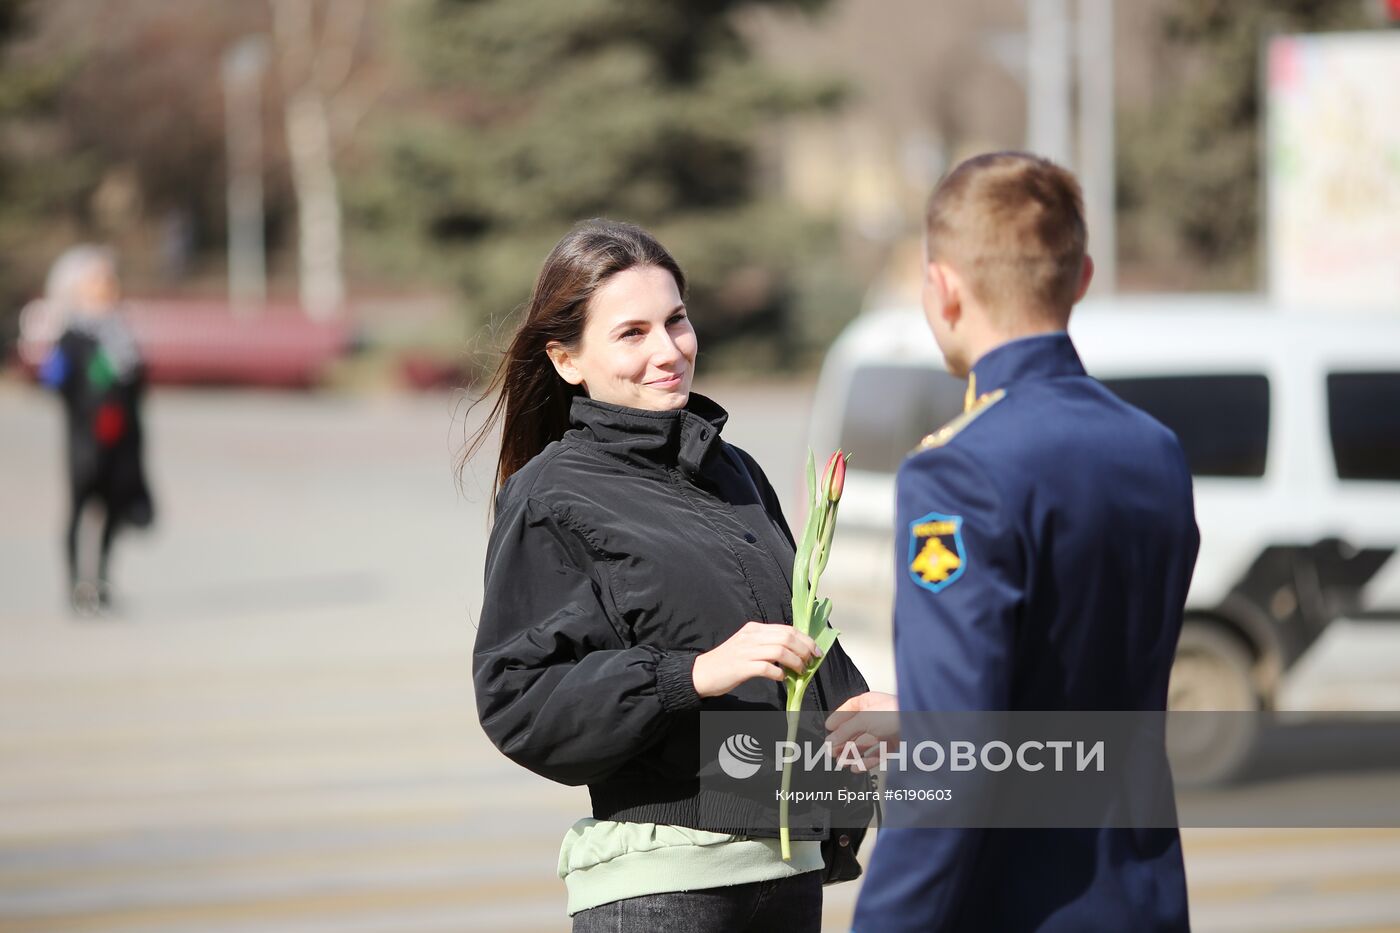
(959,586)
(557,688)
(958,596)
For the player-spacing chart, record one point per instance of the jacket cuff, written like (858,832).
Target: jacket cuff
(675,682)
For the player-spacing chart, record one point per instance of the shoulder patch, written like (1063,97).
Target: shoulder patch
(950,430)
(936,554)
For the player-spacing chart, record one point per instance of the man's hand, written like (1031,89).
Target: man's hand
(870,721)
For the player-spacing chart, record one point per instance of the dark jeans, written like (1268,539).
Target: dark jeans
(787,905)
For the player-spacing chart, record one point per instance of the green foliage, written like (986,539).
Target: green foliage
(544,112)
(1190,164)
(33,184)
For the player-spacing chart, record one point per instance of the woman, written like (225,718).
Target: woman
(638,570)
(97,369)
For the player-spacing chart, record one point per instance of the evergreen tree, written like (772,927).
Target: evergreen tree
(545,112)
(1191,163)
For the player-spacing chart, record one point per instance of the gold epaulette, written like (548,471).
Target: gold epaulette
(950,430)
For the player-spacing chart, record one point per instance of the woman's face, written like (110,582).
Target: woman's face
(98,291)
(638,348)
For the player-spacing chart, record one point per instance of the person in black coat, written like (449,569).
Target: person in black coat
(97,370)
(639,573)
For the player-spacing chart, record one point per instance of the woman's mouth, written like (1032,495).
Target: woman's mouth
(669,382)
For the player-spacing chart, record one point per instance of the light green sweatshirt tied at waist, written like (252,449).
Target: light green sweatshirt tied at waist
(602,861)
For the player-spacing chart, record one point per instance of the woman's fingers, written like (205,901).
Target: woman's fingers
(781,634)
(771,671)
(779,654)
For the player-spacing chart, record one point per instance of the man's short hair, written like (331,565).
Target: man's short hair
(1012,225)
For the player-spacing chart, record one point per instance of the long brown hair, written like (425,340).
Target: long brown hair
(533,401)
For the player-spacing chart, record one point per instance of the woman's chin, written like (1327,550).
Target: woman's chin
(671,400)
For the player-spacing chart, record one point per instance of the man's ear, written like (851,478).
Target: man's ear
(947,289)
(1086,275)
(563,362)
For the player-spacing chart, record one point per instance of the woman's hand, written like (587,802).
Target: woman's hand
(868,720)
(759,649)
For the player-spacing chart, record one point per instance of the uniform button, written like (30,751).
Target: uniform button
(748,536)
(704,434)
(843,840)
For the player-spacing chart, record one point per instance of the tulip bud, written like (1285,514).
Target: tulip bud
(827,472)
(838,476)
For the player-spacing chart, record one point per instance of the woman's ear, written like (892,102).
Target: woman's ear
(563,362)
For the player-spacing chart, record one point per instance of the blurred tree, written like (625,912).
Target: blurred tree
(1190,174)
(111,128)
(544,112)
(32,183)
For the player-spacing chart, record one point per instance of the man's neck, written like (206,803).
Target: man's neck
(1001,336)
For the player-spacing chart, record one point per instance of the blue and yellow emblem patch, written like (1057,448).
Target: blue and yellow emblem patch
(936,553)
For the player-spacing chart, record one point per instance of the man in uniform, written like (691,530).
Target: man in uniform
(1046,543)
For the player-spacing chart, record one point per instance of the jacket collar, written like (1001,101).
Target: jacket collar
(683,438)
(1043,356)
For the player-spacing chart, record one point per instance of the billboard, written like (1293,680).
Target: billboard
(1333,170)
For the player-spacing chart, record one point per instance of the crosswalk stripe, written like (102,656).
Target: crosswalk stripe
(270,910)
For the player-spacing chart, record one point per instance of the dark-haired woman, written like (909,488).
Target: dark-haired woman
(638,571)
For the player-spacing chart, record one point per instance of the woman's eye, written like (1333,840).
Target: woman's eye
(629,334)
(676,319)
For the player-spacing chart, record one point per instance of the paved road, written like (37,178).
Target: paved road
(276,733)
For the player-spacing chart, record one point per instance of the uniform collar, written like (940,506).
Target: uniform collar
(683,438)
(1043,356)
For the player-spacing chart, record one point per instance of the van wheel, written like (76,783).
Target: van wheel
(1211,673)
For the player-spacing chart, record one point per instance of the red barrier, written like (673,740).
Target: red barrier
(191,342)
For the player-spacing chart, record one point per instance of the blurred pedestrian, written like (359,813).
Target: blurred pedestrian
(96,368)
(638,572)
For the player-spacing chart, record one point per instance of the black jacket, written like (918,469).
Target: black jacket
(619,553)
(103,410)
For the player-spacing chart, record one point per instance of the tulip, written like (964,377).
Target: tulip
(838,476)
(810,614)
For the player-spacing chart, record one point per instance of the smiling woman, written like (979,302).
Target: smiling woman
(637,572)
(592,312)
(637,348)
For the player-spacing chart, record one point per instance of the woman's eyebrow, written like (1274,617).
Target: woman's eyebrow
(623,325)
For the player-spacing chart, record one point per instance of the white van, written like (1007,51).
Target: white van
(1291,425)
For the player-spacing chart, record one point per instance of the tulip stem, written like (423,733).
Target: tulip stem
(810,616)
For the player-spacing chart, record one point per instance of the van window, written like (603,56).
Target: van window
(1363,412)
(891,408)
(1222,421)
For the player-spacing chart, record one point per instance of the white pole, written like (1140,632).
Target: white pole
(1096,143)
(243,67)
(1048,84)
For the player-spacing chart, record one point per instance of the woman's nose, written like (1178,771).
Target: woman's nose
(665,350)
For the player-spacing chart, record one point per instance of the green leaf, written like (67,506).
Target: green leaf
(811,484)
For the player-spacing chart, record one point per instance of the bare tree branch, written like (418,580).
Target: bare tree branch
(292,29)
(352,107)
(339,39)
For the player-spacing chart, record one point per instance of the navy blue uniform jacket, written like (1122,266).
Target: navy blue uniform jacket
(1046,547)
